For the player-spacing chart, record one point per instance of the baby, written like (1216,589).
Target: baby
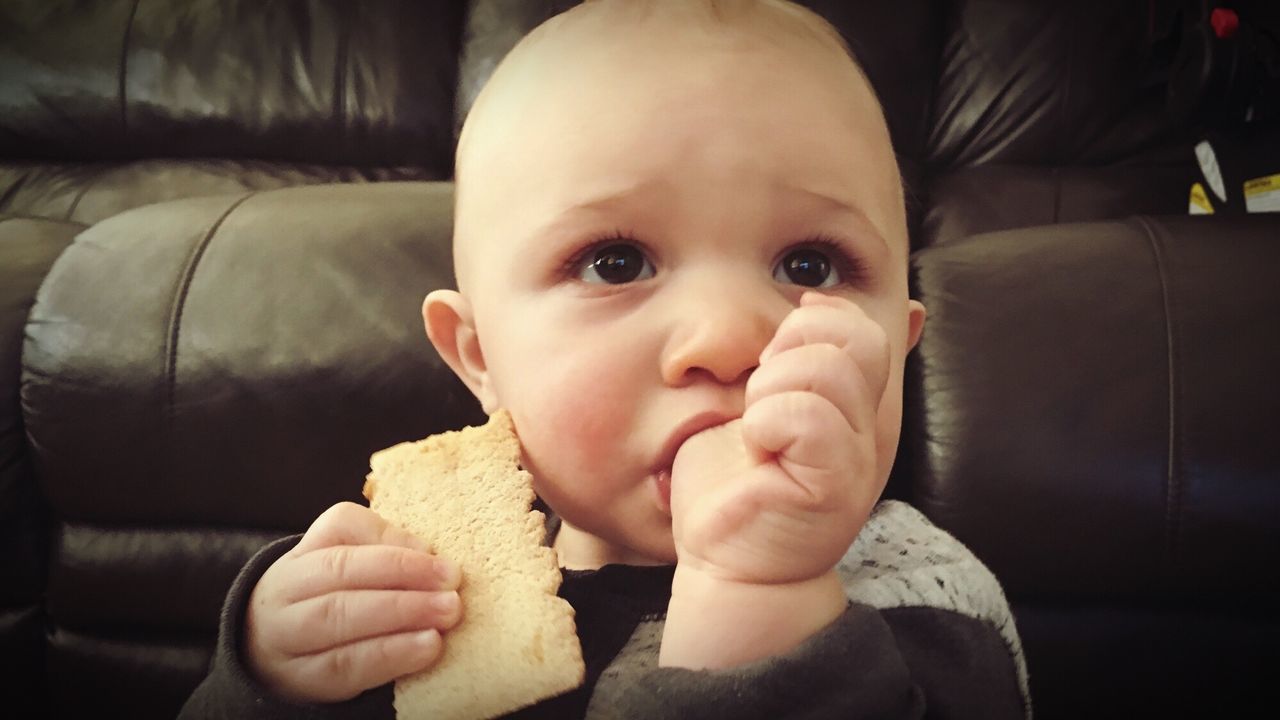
(681,253)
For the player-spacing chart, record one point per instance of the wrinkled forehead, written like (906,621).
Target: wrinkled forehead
(607,66)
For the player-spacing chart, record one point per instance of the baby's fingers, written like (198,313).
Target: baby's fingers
(825,319)
(328,622)
(343,672)
(351,524)
(814,444)
(367,567)
(823,370)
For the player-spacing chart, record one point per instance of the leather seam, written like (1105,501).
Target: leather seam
(340,72)
(84,190)
(6,197)
(5,217)
(1173,480)
(179,304)
(1064,109)
(124,66)
(926,156)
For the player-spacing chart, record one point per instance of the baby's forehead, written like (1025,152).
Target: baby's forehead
(606,52)
(600,41)
(696,28)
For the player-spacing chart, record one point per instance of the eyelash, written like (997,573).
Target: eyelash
(575,261)
(852,270)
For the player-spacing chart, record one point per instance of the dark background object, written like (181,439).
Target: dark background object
(218,220)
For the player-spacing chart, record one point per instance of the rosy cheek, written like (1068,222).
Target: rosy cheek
(575,417)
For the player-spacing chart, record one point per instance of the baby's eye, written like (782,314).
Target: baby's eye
(808,267)
(615,265)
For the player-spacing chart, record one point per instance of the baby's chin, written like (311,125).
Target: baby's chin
(662,552)
(593,548)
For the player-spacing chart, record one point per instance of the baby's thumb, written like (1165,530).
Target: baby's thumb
(715,452)
(347,523)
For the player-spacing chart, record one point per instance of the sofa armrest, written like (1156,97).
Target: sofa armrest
(1096,418)
(201,376)
(28,247)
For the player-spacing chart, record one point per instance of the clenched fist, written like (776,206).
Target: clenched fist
(779,495)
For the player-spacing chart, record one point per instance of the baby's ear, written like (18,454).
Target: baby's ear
(451,328)
(915,322)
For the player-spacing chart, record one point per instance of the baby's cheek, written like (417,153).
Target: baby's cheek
(888,426)
(574,421)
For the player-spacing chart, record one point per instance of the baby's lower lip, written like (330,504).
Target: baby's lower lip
(662,481)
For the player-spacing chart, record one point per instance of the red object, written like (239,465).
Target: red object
(1225,22)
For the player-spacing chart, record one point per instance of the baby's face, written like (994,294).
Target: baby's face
(630,241)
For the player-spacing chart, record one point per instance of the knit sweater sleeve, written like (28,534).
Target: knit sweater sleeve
(230,692)
(927,634)
(867,664)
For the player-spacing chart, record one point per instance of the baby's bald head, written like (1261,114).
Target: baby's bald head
(646,189)
(563,83)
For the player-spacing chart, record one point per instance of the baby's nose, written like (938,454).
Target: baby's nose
(719,335)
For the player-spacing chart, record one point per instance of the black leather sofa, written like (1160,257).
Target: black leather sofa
(218,220)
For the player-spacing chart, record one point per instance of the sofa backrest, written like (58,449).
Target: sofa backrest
(213,359)
(1044,99)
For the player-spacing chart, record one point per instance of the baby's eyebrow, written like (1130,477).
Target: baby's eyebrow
(833,204)
(614,199)
(611,200)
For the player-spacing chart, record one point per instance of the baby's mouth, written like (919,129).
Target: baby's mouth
(689,427)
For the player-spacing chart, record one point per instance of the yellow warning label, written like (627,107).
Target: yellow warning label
(1262,194)
(1199,204)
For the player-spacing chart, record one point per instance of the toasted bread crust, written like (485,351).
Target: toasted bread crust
(466,495)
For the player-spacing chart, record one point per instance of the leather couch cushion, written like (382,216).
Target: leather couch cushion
(987,198)
(115,576)
(1093,414)
(28,247)
(130,674)
(1096,418)
(1091,660)
(1047,83)
(219,360)
(202,376)
(325,81)
(133,613)
(88,193)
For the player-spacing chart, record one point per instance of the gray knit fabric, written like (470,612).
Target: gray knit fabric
(900,559)
(638,655)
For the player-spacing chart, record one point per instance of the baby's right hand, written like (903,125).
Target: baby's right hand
(356,604)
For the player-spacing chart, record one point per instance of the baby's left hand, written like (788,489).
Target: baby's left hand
(779,495)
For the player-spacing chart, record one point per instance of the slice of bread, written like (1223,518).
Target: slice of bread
(466,495)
